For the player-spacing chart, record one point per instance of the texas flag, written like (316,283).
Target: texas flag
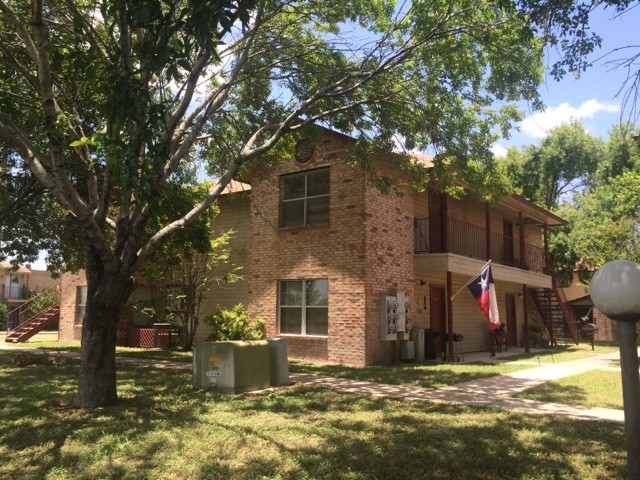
(484,291)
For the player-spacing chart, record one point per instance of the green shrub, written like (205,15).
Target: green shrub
(39,301)
(234,324)
(3,316)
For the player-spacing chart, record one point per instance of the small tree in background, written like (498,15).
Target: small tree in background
(3,316)
(191,276)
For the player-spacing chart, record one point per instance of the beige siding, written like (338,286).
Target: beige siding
(234,214)
(575,290)
(41,280)
(468,319)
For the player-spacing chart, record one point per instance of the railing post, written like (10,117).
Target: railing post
(523,247)
(525,308)
(451,355)
(446,224)
(546,269)
(487,219)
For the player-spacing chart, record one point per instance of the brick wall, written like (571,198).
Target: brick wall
(334,251)
(607,328)
(389,247)
(68,331)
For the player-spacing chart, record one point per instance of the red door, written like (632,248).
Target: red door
(512,327)
(437,316)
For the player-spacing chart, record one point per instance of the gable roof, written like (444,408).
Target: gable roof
(9,266)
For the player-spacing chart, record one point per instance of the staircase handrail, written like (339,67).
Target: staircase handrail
(567,313)
(25,306)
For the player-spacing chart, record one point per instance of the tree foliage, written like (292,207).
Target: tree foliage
(190,276)
(105,102)
(563,162)
(604,223)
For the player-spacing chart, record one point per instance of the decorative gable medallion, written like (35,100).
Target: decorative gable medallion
(304,151)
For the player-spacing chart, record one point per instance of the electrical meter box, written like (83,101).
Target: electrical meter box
(232,367)
(388,317)
(394,317)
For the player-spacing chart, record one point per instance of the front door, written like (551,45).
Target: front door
(512,328)
(438,317)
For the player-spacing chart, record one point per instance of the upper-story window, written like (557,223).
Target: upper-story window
(305,198)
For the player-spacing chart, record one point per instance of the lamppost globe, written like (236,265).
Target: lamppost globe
(615,290)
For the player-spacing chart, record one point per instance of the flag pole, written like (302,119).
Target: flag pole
(471,280)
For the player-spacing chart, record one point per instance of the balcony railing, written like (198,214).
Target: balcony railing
(471,241)
(14,292)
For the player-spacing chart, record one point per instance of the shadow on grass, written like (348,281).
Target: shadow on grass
(552,392)
(422,440)
(162,429)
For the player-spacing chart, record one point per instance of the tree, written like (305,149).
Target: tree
(621,153)
(104,101)
(604,223)
(191,277)
(563,162)
(565,26)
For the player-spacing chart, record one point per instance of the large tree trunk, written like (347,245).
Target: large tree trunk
(107,292)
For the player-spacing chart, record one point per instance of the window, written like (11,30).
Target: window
(81,304)
(304,306)
(305,198)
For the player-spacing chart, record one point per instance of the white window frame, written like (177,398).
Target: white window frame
(304,198)
(80,305)
(303,308)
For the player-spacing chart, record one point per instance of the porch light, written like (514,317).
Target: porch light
(615,291)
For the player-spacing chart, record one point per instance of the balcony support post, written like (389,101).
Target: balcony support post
(546,268)
(525,310)
(523,251)
(451,353)
(487,219)
(446,224)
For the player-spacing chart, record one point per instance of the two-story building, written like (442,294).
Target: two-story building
(18,283)
(320,245)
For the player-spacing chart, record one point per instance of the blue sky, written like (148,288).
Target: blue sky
(592,98)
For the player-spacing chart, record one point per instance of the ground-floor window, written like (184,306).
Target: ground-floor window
(81,303)
(304,306)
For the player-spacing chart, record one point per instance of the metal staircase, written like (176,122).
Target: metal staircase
(35,324)
(24,324)
(556,314)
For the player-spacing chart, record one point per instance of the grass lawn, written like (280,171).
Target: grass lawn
(163,430)
(596,388)
(567,352)
(46,341)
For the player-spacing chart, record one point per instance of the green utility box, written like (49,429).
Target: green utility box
(232,367)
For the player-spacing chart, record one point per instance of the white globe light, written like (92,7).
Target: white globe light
(615,290)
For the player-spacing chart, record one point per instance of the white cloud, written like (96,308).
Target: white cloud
(498,150)
(538,125)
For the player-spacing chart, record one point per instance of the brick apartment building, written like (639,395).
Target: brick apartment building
(320,245)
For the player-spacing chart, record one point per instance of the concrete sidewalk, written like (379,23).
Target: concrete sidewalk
(494,392)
